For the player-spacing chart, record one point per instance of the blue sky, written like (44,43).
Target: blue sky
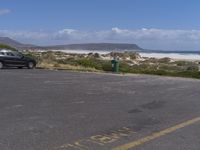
(154,24)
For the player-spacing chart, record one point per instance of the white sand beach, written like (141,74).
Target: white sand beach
(83,51)
(176,56)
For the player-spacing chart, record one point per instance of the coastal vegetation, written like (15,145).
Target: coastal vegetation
(3,46)
(129,62)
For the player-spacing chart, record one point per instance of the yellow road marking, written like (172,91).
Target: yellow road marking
(156,135)
(100,140)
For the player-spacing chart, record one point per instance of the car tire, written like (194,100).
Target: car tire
(31,65)
(1,65)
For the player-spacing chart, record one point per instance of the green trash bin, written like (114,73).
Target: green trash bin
(115,65)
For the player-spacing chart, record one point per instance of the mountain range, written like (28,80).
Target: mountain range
(84,46)
(97,46)
(13,43)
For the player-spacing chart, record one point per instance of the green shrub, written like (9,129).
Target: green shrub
(124,67)
(31,55)
(192,68)
(164,60)
(134,56)
(181,63)
(3,46)
(48,56)
(70,61)
(92,63)
(106,66)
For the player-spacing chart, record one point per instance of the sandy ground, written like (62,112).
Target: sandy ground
(174,56)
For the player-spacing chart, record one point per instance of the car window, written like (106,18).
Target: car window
(9,54)
(18,54)
(2,53)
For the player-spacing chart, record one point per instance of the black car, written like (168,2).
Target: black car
(10,58)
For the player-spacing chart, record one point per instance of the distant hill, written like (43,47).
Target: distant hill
(3,46)
(13,43)
(87,46)
(8,41)
(97,46)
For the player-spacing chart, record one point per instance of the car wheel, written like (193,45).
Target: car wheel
(1,65)
(31,65)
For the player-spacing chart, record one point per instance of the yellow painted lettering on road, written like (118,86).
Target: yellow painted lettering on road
(102,139)
(72,146)
(156,135)
(112,136)
(76,145)
(124,131)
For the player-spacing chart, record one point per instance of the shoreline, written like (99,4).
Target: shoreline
(174,56)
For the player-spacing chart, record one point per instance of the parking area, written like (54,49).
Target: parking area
(61,110)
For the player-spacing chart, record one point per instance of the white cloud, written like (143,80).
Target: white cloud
(4,11)
(146,38)
(66,31)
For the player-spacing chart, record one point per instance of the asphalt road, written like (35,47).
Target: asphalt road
(59,110)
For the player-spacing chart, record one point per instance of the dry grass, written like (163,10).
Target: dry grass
(57,66)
